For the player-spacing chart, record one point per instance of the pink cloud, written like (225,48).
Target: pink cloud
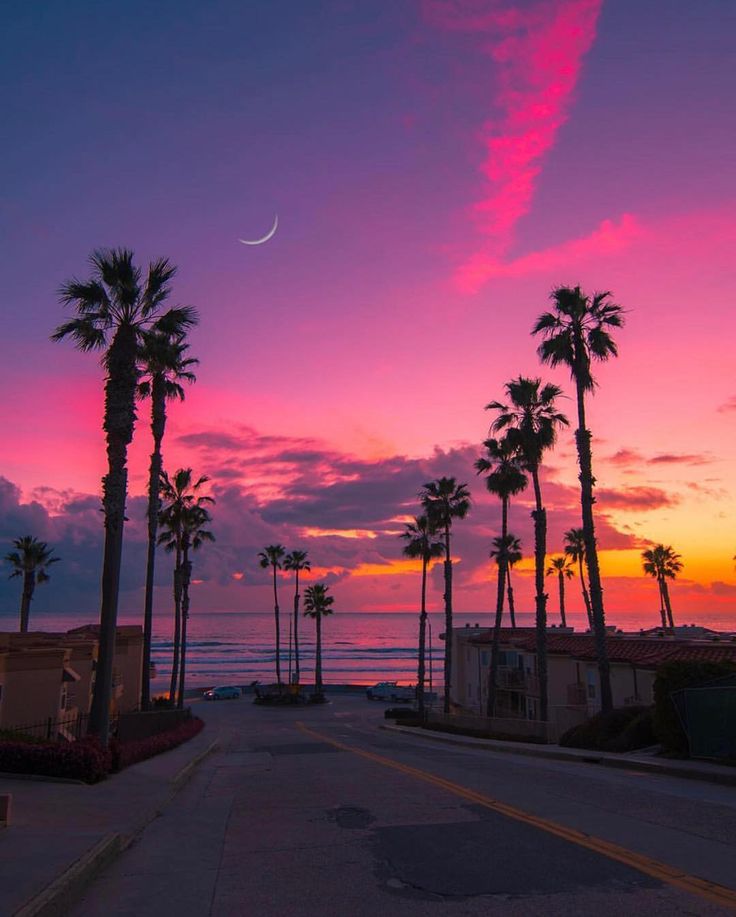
(537,51)
(610,238)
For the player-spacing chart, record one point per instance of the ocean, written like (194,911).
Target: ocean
(357,648)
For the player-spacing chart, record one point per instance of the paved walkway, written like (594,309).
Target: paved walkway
(57,825)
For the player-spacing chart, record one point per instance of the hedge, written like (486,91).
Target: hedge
(87,760)
(674,676)
(622,729)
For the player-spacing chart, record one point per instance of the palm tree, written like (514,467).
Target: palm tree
(114,307)
(193,536)
(318,604)
(444,500)
(505,479)
(575,550)
(271,556)
(508,551)
(575,334)
(30,560)
(531,421)
(296,561)
(420,544)
(179,495)
(560,567)
(165,366)
(663,563)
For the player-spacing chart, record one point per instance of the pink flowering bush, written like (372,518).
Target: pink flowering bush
(126,753)
(85,760)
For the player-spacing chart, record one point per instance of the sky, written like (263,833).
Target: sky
(437,167)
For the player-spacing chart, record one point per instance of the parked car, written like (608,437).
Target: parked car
(390,691)
(223,692)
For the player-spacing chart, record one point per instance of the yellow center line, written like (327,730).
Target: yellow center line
(711,891)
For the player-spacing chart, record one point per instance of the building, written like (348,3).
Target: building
(572,666)
(47,679)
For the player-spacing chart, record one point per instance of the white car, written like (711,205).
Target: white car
(390,691)
(223,692)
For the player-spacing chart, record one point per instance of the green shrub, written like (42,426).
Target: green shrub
(619,730)
(672,677)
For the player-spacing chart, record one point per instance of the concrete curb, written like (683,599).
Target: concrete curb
(663,767)
(56,898)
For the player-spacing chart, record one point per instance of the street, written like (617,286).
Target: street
(317,812)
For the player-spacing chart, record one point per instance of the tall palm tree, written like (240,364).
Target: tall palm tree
(164,366)
(663,563)
(576,333)
(296,561)
(530,421)
(575,550)
(444,500)
(318,604)
(420,543)
(30,560)
(561,568)
(193,536)
(113,309)
(504,479)
(271,556)
(507,550)
(179,494)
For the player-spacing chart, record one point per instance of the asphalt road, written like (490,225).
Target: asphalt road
(316,812)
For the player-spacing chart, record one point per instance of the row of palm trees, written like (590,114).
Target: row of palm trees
(124,313)
(575,333)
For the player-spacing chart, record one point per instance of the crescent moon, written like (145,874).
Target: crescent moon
(269,234)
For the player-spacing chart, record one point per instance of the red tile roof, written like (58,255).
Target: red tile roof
(646,652)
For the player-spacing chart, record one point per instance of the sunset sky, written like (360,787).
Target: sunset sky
(437,166)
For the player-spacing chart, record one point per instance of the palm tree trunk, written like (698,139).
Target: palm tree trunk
(562,598)
(586,597)
(667,605)
(422,642)
(278,630)
(587,482)
(540,549)
(448,620)
(510,594)
(29,585)
(122,377)
(158,425)
(177,628)
(186,576)
(296,628)
(662,613)
(318,661)
(500,589)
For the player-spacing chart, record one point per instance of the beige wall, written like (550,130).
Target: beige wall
(128,665)
(32,684)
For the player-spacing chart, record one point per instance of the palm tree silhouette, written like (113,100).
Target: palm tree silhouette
(575,334)
(114,307)
(30,560)
(271,556)
(560,567)
(505,479)
(662,563)
(444,500)
(419,544)
(318,604)
(575,550)
(179,495)
(531,421)
(296,561)
(164,366)
(507,550)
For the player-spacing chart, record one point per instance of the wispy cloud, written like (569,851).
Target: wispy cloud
(537,50)
(728,406)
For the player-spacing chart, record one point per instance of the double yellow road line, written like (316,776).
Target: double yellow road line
(710,891)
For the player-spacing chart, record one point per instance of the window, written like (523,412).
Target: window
(484,658)
(591,684)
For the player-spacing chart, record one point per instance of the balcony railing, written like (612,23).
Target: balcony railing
(577,695)
(517,680)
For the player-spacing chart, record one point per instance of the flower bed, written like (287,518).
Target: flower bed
(126,753)
(87,760)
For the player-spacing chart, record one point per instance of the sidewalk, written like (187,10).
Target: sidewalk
(667,767)
(61,834)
